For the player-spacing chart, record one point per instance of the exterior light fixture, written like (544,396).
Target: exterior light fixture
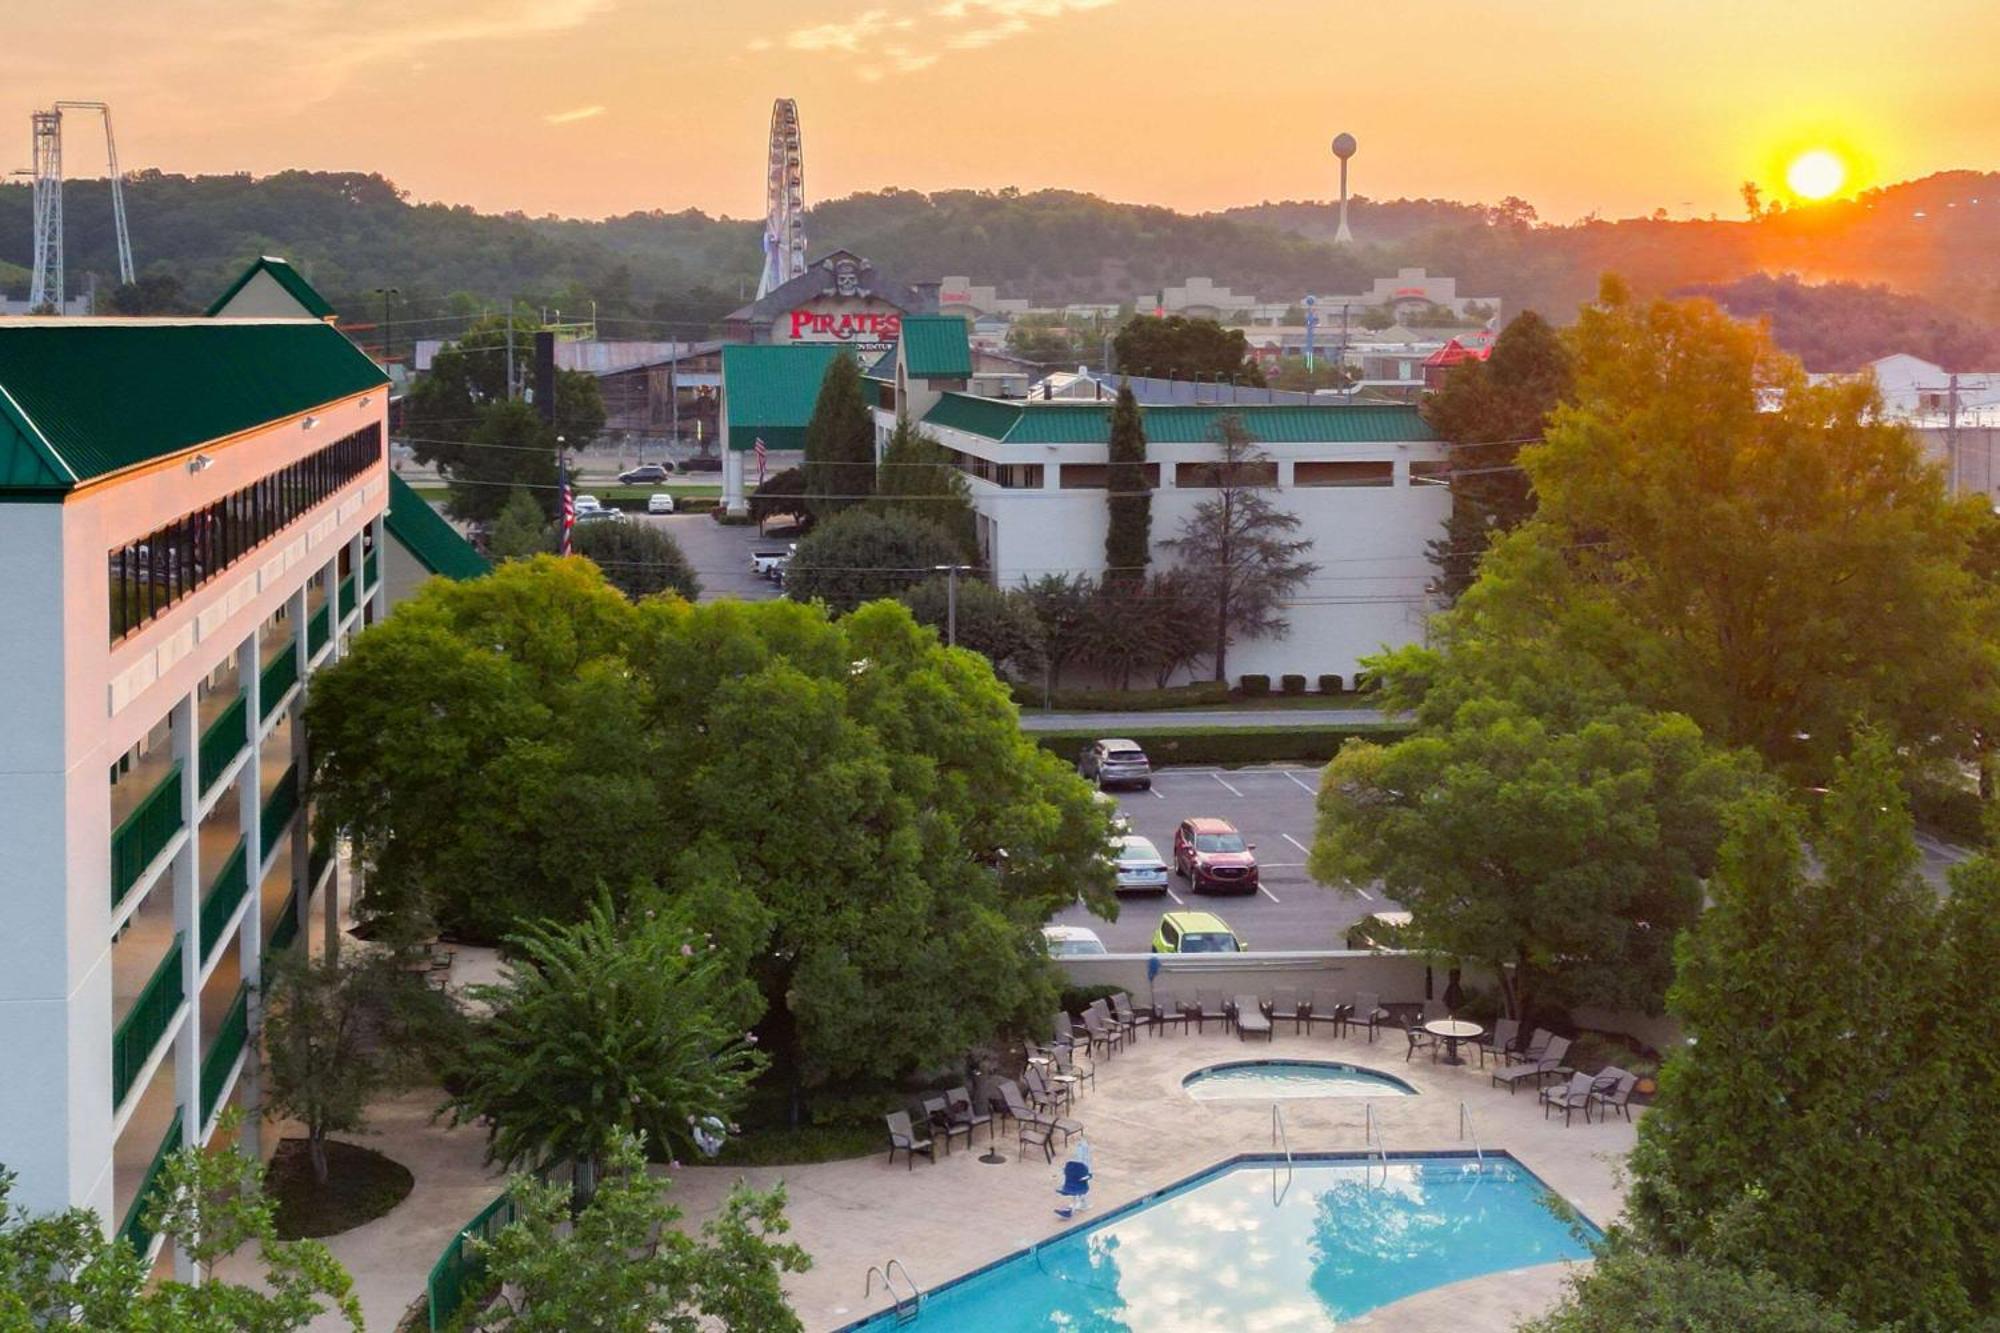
(200,463)
(309,423)
(366,399)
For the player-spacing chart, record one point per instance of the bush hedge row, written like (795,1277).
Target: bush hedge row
(1227,746)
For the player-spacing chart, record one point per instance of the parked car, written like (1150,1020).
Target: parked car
(1212,856)
(1140,869)
(645,474)
(584,516)
(586,504)
(1069,941)
(1116,763)
(1195,932)
(770,564)
(659,502)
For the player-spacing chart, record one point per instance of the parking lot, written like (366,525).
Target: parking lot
(1273,807)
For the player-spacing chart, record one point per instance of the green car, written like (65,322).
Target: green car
(1195,932)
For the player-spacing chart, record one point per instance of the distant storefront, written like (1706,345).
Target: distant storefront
(841,299)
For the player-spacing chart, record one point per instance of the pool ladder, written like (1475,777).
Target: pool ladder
(1278,1136)
(1372,1133)
(907,1308)
(1467,1130)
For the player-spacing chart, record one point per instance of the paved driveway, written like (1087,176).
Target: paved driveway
(720,555)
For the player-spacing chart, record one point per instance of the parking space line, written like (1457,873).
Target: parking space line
(1266,892)
(1154,792)
(1296,843)
(1282,865)
(1175,896)
(1295,777)
(1364,893)
(1225,786)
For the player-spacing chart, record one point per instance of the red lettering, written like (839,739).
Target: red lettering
(800,319)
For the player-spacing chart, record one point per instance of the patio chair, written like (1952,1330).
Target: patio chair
(903,1135)
(1612,1090)
(1102,1031)
(1062,1030)
(1549,1063)
(1208,1007)
(1368,1009)
(1327,1008)
(1167,1008)
(1084,1071)
(938,1112)
(1537,1045)
(1129,1018)
(1499,1041)
(1419,1039)
(1250,1018)
(1035,1126)
(1044,1094)
(1288,1005)
(1571,1097)
(965,1113)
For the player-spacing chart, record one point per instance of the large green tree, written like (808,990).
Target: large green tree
(840,442)
(1732,542)
(1178,347)
(998,624)
(638,559)
(1485,412)
(1128,539)
(917,478)
(1971,922)
(1819,1054)
(1558,858)
(860,554)
(1063,605)
(1238,549)
(621,1265)
(1628,1290)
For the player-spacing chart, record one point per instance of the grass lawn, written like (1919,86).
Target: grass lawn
(361,1186)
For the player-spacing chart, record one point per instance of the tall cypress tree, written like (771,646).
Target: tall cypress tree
(1128,541)
(840,442)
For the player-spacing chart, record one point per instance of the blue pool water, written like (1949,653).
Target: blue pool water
(1263,1080)
(1342,1238)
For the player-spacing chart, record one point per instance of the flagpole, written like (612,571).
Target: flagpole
(567,518)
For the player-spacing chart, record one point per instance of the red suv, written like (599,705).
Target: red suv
(1214,857)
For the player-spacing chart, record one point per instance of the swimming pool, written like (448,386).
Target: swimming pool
(1263,1080)
(1242,1247)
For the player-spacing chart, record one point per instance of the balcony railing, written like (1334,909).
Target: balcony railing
(287,928)
(132,1044)
(280,806)
(223,898)
(322,852)
(144,834)
(134,1229)
(319,625)
(222,1052)
(279,675)
(223,741)
(347,597)
(368,567)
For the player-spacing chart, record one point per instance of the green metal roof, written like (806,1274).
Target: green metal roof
(82,399)
(423,532)
(934,347)
(884,368)
(285,276)
(1090,423)
(768,391)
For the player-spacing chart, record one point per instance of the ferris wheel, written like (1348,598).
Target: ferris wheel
(784,200)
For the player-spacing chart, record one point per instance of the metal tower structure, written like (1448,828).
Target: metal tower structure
(45,289)
(784,200)
(1343,148)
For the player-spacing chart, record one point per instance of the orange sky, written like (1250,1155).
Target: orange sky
(589,107)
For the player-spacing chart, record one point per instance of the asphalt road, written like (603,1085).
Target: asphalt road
(1273,808)
(720,555)
(1113,724)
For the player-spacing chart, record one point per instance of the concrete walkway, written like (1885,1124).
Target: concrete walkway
(1118,724)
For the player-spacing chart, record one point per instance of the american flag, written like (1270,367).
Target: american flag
(568,516)
(759,452)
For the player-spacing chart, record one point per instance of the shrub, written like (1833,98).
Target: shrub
(721,515)
(1226,746)
(1076,999)
(1951,810)
(1329,685)
(1202,694)
(1292,684)
(1256,687)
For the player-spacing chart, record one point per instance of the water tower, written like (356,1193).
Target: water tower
(1343,148)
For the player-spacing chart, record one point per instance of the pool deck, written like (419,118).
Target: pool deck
(1145,1134)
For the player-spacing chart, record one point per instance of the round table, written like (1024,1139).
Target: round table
(1454,1031)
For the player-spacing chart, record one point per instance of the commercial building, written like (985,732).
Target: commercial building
(840,299)
(195,517)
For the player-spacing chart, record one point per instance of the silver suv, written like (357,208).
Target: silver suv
(1116,763)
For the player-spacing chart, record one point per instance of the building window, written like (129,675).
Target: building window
(1013,476)
(1344,473)
(153,573)
(1097,476)
(1200,476)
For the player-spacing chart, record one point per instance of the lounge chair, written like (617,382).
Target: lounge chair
(1499,1041)
(1110,1021)
(1612,1089)
(904,1135)
(1102,1033)
(1537,1045)
(1289,1005)
(1080,1072)
(1036,1127)
(1368,1009)
(1572,1097)
(1062,1031)
(965,1114)
(1045,1093)
(938,1112)
(1250,1018)
(1549,1063)
(1129,1018)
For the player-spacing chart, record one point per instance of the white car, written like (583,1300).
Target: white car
(1071,941)
(586,504)
(659,502)
(1140,867)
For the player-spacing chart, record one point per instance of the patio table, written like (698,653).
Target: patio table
(1454,1031)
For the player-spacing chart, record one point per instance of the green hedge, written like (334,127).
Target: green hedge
(1227,746)
(1952,812)
(1256,687)
(1204,695)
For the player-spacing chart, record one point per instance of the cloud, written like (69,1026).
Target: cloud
(851,36)
(759,44)
(571,117)
(941,27)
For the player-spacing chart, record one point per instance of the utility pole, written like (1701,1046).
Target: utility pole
(951,573)
(510,349)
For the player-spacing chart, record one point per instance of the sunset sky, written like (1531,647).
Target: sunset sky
(590,107)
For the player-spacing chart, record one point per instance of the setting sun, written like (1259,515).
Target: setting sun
(1816,175)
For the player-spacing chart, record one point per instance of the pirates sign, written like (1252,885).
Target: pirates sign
(857,321)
